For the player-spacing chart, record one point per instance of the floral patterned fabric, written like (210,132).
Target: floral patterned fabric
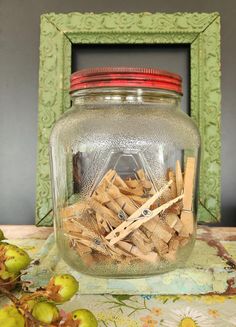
(166,311)
(155,311)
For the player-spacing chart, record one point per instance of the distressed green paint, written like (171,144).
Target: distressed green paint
(200,30)
(205,110)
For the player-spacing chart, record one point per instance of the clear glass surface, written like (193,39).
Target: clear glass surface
(125,131)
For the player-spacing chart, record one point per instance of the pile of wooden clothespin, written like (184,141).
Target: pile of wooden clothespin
(129,220)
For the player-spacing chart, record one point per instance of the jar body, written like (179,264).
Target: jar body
(112,152)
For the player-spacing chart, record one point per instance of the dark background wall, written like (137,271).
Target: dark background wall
(19,50)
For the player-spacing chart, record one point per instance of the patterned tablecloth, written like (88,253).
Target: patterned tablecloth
(145,310)
(154,311)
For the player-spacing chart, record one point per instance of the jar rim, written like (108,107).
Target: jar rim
(97,77)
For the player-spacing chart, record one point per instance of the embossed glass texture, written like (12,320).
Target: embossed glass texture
(115,149)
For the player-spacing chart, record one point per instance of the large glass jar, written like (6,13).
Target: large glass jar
(124,164)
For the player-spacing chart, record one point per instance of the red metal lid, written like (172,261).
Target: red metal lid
(125,77)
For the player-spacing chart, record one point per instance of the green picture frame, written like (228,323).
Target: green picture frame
(200,30)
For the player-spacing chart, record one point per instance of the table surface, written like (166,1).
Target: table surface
(155,310)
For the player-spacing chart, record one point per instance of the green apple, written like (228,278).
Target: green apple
(68,287)
(7,280)
(5,275)
(16,259)
(45,312)
(11,317)
(85,318)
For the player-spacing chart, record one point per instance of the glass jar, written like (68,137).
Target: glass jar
(124,164)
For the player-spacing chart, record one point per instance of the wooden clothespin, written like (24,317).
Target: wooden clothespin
(187,213)
(179,178)
(141,216)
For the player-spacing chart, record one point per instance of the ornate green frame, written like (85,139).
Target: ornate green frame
(200,30)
